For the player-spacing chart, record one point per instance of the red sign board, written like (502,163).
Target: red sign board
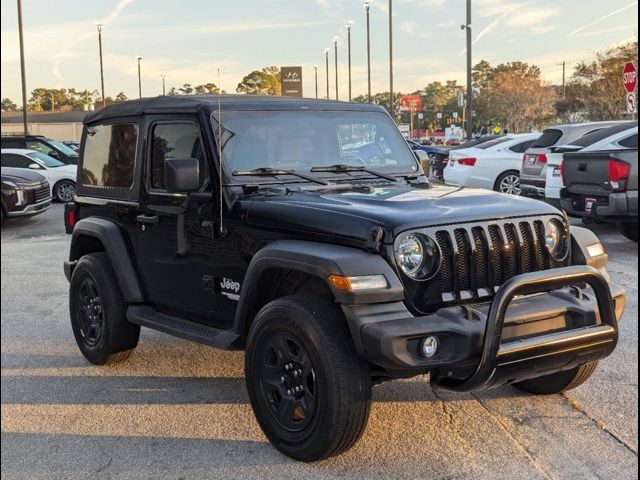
(410,102)
(630,77)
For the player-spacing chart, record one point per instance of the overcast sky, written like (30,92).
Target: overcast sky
(188,40)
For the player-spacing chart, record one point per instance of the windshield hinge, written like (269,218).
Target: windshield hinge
(374,241)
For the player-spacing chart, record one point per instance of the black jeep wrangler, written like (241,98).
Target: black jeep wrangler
(305,232)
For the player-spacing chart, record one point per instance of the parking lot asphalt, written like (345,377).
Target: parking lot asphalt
(178,410)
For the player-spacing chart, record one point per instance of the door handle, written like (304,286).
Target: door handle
(147,219)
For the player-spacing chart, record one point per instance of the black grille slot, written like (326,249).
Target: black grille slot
(481,258)
(462,260)
(42,193)
(542,262)
(495,254)
(446,269)
(511,251)
(527,251)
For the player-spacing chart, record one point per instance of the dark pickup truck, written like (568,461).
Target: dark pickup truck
(603,186)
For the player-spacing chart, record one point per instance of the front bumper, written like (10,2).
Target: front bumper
(538,323)
(29,210)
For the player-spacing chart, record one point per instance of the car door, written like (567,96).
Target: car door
(185,267)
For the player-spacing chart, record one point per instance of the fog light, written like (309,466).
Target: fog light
(429,347)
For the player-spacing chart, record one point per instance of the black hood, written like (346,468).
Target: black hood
(394,208)
(20,175)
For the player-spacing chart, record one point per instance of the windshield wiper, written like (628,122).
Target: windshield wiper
(273,172)
(352,168)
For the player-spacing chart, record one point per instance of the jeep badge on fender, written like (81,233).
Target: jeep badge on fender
(328,257)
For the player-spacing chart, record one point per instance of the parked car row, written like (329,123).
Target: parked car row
(587,169)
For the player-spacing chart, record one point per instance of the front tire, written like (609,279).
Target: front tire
(98,312)
(64,191)
(508,182)
(558,382)
(309,389)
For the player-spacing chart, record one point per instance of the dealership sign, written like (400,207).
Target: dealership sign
(410,103)
(291,81)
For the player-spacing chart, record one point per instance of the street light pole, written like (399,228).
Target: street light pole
(348,25)
(139,58)
(335,57)
(326,60)
(391,102)
(315,68)
(22,71)
(469,110)
(367,4)
(163,77)
(99,25)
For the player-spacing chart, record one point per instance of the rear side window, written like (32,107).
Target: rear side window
(492,143)
(629,142)
(12,143)
(110,155)
(596,136)
(548,138)
(175,140)
(522,147)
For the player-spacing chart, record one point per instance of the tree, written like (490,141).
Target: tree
(513,96)
(185,89)
(594,91)
(8,105)
(121,97)
(264,82)
(210,88)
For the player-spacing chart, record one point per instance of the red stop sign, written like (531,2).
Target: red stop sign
(630,77)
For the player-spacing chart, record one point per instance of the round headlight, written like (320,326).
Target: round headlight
(418,256)
(410,254)
(554,238)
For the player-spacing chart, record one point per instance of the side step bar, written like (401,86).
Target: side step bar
(146,316)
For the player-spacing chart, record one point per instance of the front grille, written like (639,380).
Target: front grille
(42,192)
(477,259)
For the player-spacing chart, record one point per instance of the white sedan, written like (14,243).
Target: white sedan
(493,165)
(61,177)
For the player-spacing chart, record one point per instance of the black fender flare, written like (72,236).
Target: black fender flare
(581,238)
(109,234)
(320,260)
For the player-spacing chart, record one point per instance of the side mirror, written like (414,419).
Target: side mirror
(34,166)
(421,155)
(181,175)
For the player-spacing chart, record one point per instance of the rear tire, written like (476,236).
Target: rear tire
(98,312)
(508,182)
(302,341)
(558,382)
(629,230)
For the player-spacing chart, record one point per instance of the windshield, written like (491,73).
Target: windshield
(301,140)
(45,159)
(62,148)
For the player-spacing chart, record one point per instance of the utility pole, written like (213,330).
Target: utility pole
(315,68)
(391,102)
(335,57)
(139,58)
(22,71)
(348,25)
(367,4)
(469,111)
(163,77)
(564,85)
(99,25)
(326,60)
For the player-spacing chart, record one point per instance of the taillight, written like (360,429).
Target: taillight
(469,161)
(542,158)
(71,218)
(618,174)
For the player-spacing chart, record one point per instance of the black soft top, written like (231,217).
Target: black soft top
(191,103)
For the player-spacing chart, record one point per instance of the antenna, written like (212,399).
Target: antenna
(221,192)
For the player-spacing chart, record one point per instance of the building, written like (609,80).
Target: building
(61,125)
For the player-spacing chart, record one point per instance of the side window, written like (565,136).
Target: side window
(175,140)
(15,161)
(629,142)
(12,142)
(521,147)
(38,146)
(110,155)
